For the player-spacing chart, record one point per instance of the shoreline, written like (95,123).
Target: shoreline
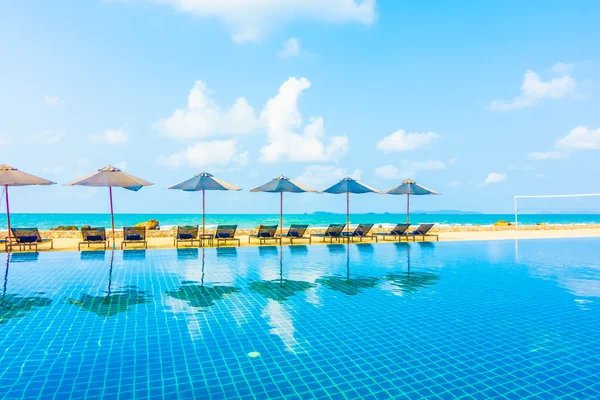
(163,239)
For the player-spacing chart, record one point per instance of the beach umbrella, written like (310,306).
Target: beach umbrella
(411,281)
(14,305)
(10,176)
(348,285)
(279,185)
(114,301)
(110,177)
(203,182)
(347,186)
(197,294)
(279,289)
(410,187)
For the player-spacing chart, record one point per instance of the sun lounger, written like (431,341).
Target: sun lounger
(134,235)
(334,231)
(92,236)
(186,234)
(24,238)
(421,231)
(296,232)
(398,232)
(265,233)
(226,233)
(360,232)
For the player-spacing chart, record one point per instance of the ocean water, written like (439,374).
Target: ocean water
(506,319)
(249,221)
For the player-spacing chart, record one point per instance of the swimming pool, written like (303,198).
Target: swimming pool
(483,319)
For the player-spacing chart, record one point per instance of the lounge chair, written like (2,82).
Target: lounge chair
(226,233)
(187,234)
(24,238)
(296,232)
(398,232)
(134,235)
(361,232)
(334,231)
(265,233)
(93,236)
(421,231)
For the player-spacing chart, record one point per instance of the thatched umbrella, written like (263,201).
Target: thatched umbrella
(10,176)
(279,185)
(110,177)
(203,182)
(346,186)
(410,187)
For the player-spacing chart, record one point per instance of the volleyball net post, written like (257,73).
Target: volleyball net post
(546,196)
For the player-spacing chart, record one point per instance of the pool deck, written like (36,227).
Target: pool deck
(164,241)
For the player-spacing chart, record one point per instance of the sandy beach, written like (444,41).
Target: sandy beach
(163,239)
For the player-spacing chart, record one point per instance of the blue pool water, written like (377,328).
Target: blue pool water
(434,320)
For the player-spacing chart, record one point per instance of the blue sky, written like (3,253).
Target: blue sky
(478,101)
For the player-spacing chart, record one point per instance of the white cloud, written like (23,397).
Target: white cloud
(520,167)
(122,165)
(251,20)
(291,48)
(49,137)
(388,172)
(539,175)
(53,170)
(534,90)
(83,161)
(281,117)
(402,141)
(215,153)
(548,155)
(494,177)
(453,184)
(203,118)
(5,140)
(429,165)
(580,138)
(452,161)
(112,137)
(563,68)
(409,169)
(318,176)
(52,100)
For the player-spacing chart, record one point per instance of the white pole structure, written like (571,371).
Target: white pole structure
(547,196)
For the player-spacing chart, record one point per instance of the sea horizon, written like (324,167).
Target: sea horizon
(45,221)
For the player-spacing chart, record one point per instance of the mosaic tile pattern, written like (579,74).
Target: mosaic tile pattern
(445,320)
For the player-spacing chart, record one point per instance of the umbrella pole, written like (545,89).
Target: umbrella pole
(112,218)
(203,211)
(348,212)
(6,276)
(408,208)
(281,215)
(7,218)
(112,258)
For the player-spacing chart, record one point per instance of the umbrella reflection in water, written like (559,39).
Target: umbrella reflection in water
(279,289)
(411,282)
(349,285)
(197,294)
(13,305)
(113,302)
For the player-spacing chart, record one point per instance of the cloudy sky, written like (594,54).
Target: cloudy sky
(480,101)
